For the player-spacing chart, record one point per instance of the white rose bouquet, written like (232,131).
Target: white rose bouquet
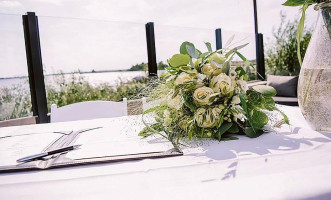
(203,97)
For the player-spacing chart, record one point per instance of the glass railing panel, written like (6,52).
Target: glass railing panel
(169,38)
(15,100)
(87,60)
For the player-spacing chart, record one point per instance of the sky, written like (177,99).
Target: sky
(110,34)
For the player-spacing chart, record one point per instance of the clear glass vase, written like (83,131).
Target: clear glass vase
(314,87)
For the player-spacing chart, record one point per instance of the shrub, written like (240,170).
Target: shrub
(281,55)
(15,102)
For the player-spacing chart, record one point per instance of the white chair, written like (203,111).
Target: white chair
(88,110)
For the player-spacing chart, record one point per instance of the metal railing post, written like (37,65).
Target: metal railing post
(35,67)
(218,34)
(151,52)
(260,64)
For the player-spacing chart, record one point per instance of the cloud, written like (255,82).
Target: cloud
(10,4)
(55,2)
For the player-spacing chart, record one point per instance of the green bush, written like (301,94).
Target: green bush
(15,102)
(281,55)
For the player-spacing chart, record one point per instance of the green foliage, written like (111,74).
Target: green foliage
(200,102)
(256,101)
(139,67)
(305,4)
(16,102)
(162,66)
(144,66)
(189,49)
(281,56)
(77,89)
(259,119)
(265,90)
(178,60)
(223,129)
(299,2)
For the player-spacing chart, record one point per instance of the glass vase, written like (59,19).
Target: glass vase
(314,86)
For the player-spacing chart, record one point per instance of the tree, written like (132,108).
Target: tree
(281,55)
(144,66)
(161,66)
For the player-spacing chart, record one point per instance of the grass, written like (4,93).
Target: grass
(15,102)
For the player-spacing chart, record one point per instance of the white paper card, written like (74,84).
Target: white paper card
(14,148)
(105,142)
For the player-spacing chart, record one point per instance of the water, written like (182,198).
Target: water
(314,92)
(112,78)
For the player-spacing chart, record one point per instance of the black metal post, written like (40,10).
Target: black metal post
(151,52)
(260,65)
(218,34)
(35,67)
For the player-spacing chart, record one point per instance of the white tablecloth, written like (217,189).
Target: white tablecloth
(292,163)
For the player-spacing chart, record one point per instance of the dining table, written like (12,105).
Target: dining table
(289,162)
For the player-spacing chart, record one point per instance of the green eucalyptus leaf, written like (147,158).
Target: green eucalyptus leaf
(191,51)
(208,45)
(297,2)
(179,60)
(265,90)
(183,47)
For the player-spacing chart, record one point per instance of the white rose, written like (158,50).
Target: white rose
(183,78)
(235,100)
(176,102)
(202,95)
(208,69)
(216,112)
(232,74)
(242,85)
(207,118)
(221,83)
